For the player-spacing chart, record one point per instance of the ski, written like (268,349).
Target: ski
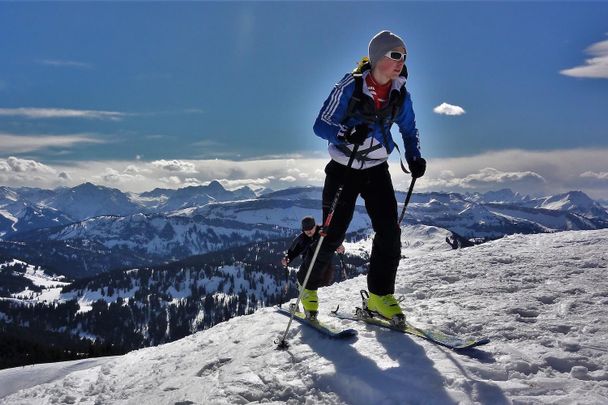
(319,326)
(434,336)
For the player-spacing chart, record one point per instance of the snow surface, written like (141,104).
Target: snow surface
(568,201)
(23,377)
(51,285)
(541,298)
(8,215)
(416,240)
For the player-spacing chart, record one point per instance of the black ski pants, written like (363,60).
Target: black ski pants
(374,185)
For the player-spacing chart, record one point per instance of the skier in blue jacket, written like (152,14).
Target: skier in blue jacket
(360,110)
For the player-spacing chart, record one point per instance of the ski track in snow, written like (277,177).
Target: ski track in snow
(542,300)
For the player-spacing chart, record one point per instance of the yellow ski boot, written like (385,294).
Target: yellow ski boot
(386,306)
(310,302)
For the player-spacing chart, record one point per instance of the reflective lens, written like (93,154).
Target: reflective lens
(395,55)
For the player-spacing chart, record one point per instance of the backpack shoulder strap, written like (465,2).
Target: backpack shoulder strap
(357,95)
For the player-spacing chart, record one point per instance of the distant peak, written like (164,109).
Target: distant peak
(574,195)
(578,194)
(216,185)
(86,186)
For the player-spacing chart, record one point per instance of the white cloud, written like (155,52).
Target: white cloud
(171,180)
(64,176)
(595,67)
(65,63)
(192,181)
(232,184)
(181,166)
(11,143)
(207,143)
(446,174)
(16,165)
(484,180)
(448,109)
(134,169)
(25,172)
(595,175)
(157,136)
(194,111)
(527,172)
(493,176)
(295,172)
(112,176)
(43,113)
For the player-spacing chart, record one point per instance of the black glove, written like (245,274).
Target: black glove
(417,167)
(358,134)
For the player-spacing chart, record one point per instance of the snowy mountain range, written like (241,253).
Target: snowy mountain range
(23,209)
(88,200)
(541,299)
(53,226)
(170,200)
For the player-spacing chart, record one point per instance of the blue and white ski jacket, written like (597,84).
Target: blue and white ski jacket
(374,150)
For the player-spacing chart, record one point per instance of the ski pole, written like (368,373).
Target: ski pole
(407,200)
(343,266)
(282,343)
(286,286)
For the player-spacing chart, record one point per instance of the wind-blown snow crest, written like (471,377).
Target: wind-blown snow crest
(541,298)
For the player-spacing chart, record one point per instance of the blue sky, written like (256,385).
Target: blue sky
(130,87)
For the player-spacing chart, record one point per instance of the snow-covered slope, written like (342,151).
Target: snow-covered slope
(28,283)
(542,300)
(88,200)
(279,212)
(159,235)
(574,201)
(416,240)
(24,216)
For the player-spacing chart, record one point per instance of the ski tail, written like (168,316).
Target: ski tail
(432,335)
(318,325)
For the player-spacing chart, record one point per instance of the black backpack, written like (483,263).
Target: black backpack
(363,107)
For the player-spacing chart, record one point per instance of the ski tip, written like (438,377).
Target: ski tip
(483,341)
(472,345)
